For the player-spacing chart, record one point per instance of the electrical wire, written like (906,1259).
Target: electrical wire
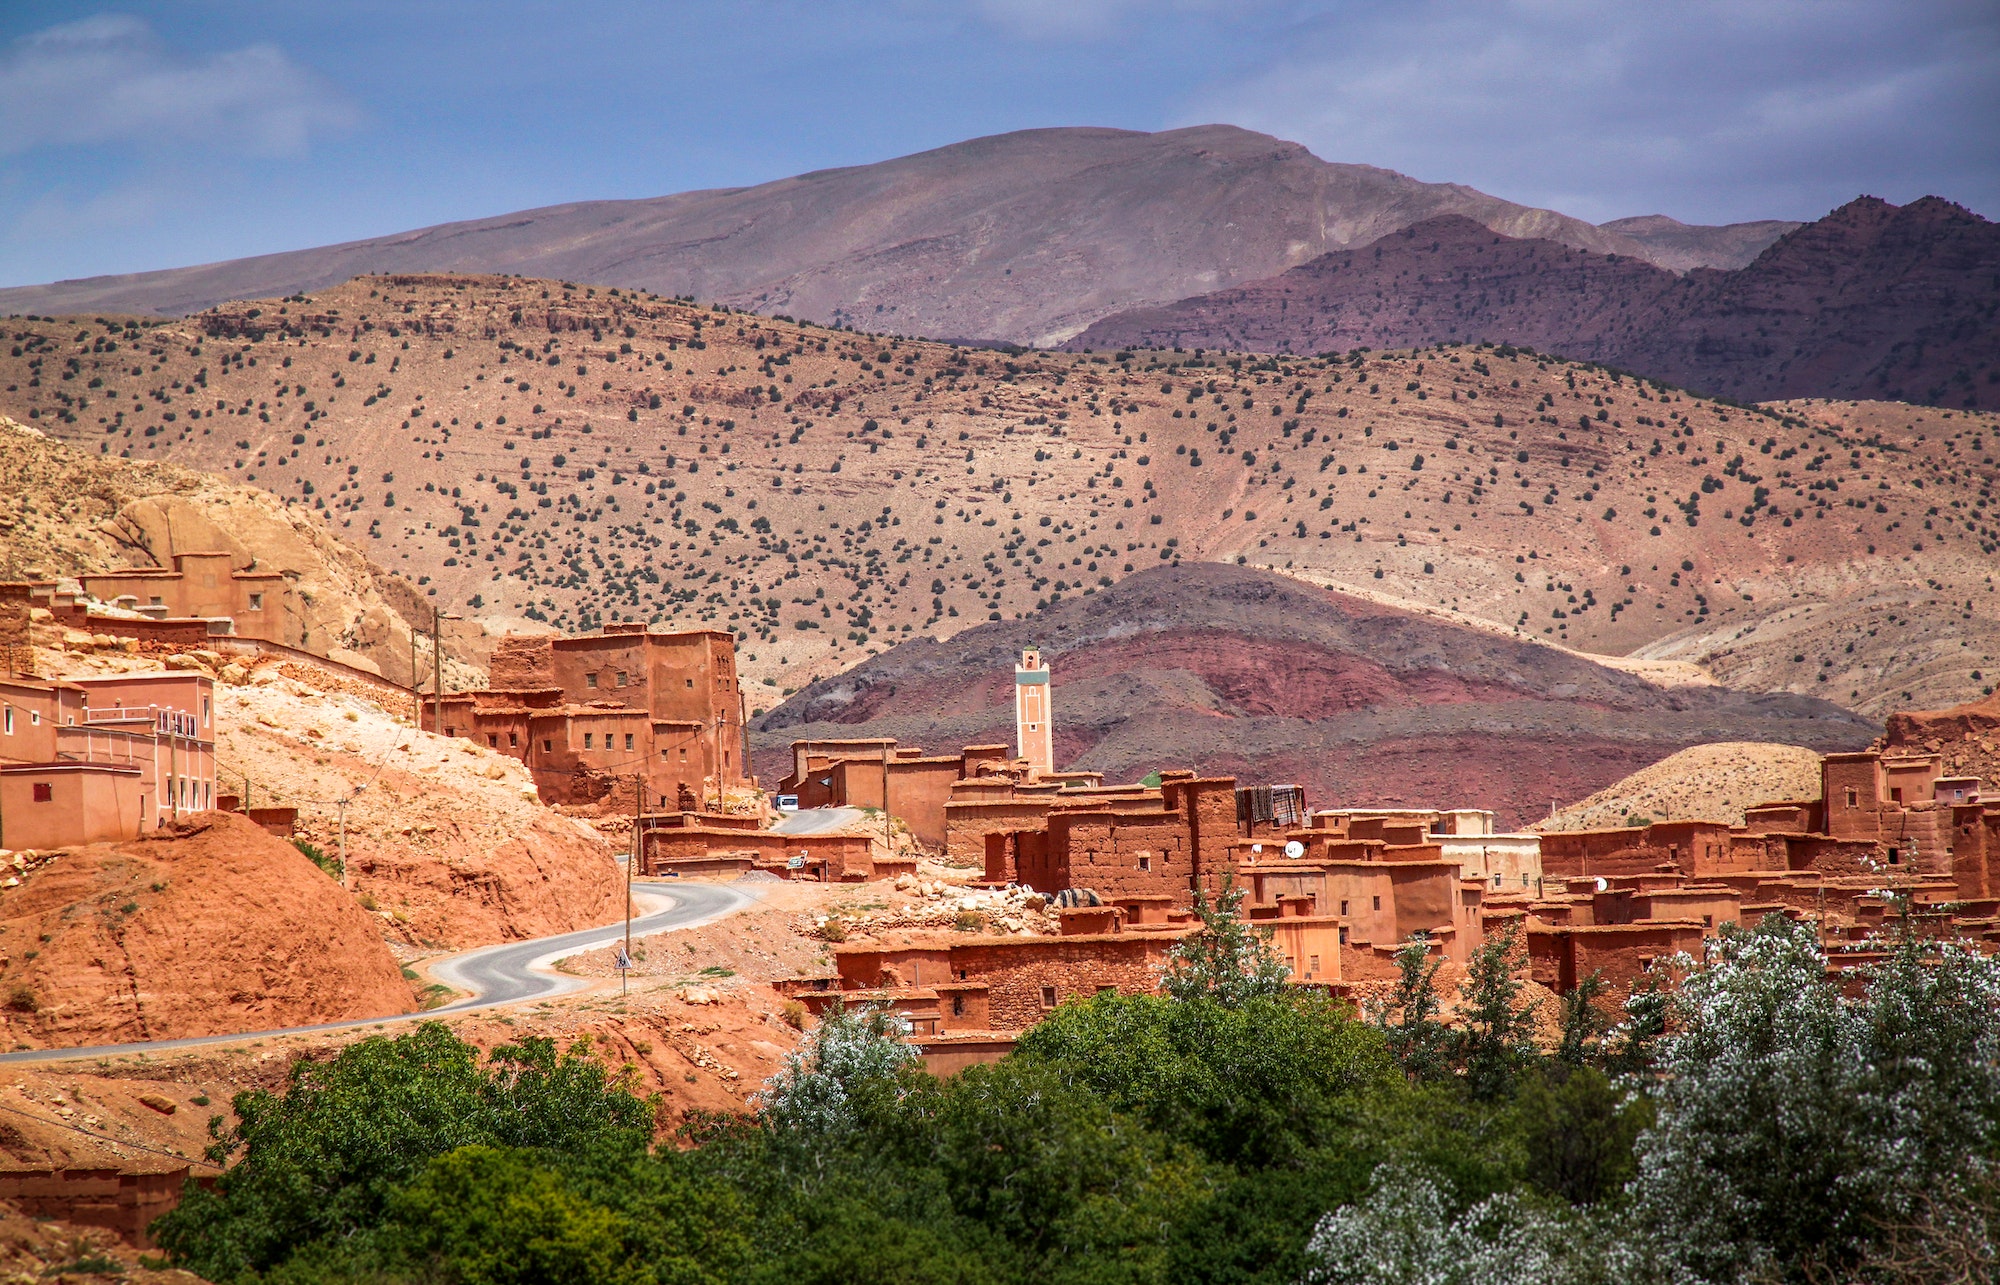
(116,1142)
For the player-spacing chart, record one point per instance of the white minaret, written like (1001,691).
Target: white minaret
(1032,714)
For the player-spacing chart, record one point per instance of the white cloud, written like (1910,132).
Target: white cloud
(110,79)
(1705,109)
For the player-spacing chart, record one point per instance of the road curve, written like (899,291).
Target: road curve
(816,820)
(509,973)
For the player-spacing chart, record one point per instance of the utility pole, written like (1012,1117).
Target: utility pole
(437,669)
(416,681)
(631,864)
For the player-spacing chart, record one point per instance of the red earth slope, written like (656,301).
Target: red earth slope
(1232,670)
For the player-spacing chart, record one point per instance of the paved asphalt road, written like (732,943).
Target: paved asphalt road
(816,820)
(495,975)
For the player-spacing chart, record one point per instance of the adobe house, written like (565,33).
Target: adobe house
(587,714)
(965,982)
(206,584)
(1504,862)
(1123,841)
(101,759)
(876,772)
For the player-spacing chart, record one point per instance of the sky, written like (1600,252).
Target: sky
(137,136)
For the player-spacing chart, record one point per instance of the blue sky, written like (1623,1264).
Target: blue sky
(136,136)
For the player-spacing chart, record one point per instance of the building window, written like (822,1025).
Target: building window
(1378,903)
(684,754)
(159,601)
(8,717)
(1853,798)
(1895,794)
(513,740)
(256,602)
(628,740)
(590,680)
(1895,857)
(547,745)
(1312,964)
(958,1006)
(621,678)
(725,758)
(44,792)
(1343,934)
(1048,997)
(1343,907)
(587,739)
(34,718)
(690,683)
(1145,863)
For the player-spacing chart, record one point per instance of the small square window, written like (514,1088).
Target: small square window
(588,739)
(621,678)
(256,602)
(1343,935)
(513,740)
(547,745)
(628,740)
(1048,997)
(1895,794)
(44,792)
(492,740)
(1145,863)
(690,683)
(1854,798)
(1312,965)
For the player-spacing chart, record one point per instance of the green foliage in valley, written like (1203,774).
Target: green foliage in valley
(1752,1123)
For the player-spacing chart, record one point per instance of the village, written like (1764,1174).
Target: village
(645,729)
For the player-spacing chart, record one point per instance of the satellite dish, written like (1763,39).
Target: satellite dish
(1294,849)
(1601,884)
(1256,847)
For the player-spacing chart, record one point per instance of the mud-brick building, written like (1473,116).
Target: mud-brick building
(103,759)
(968,982)
(208,585)
(877,772)
(1123,841)
(592,714)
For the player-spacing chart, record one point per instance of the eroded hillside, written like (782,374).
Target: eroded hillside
(533,452)
(1248,673)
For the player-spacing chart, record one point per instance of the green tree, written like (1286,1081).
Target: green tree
(1578,1131)
(1409,1020)
(494,1216)
(1497,1040)
(1230,961)
(1584,1024)
(321,1159)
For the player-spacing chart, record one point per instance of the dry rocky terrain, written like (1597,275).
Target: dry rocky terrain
(826,493)
(1713,782)
(68,512)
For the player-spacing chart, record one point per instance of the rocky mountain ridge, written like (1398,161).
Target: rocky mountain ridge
(1024,237)
(1873,301)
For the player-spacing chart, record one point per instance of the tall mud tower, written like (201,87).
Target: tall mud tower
(1033,735)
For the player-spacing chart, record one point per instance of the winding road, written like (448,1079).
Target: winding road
(510,973)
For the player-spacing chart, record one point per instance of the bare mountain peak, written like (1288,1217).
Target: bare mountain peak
(1024,237)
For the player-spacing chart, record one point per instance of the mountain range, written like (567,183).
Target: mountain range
(1873,301)
(1024,238)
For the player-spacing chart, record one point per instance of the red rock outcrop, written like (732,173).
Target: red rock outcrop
(211,927)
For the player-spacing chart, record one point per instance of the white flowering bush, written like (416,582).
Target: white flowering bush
(817,1094)
(1796,1124)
